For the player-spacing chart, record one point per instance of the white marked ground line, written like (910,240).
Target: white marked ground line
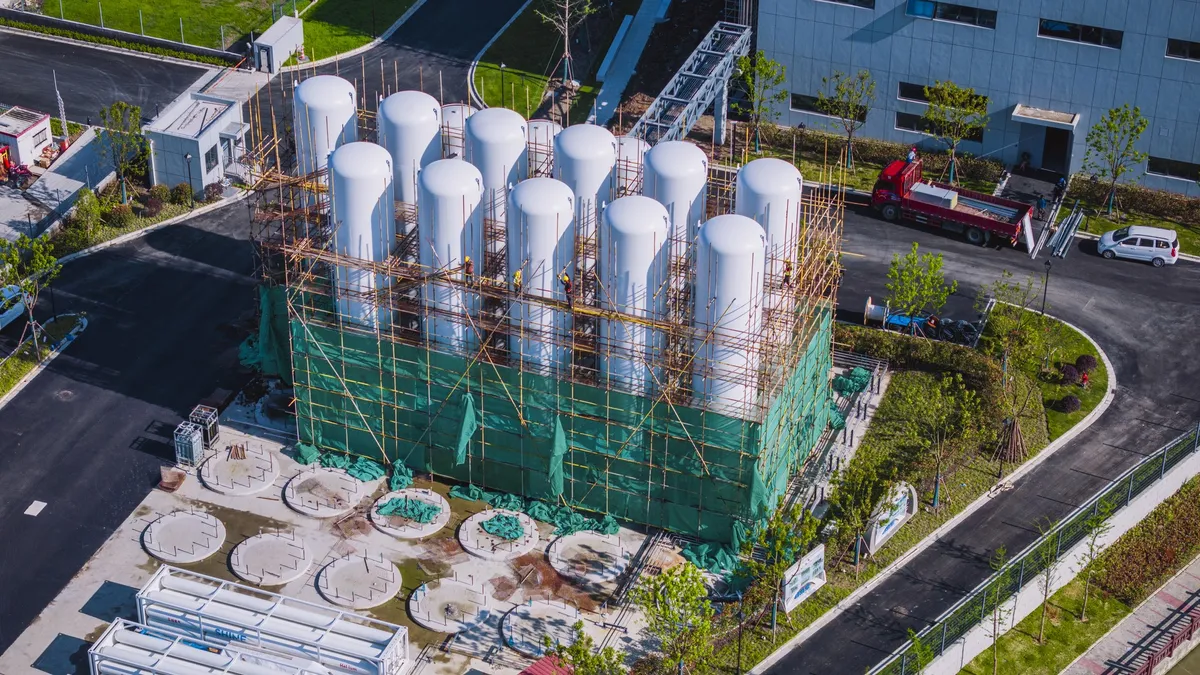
(35,508)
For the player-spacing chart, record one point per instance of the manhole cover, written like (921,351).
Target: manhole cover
(65,395)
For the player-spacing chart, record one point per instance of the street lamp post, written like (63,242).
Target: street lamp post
(191,188)
(1045,287)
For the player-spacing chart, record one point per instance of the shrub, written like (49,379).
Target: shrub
(181,194)
(152,207)
(161,192)
(1130,197)
(1086,363)
(1069,404)
(1070,374)
(121,215)
(213,192)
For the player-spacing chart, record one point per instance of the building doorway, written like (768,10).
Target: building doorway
(1056,151)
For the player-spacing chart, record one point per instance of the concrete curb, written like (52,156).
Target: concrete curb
(945,527)
(476,97)
(137,234)
(357,50)
(109,48)
(66,342)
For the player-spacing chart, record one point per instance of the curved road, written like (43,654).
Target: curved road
(1145,319)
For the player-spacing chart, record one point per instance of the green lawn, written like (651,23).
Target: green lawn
(336,26)
(18,365)
(862,177)
(202,21)
(71,239)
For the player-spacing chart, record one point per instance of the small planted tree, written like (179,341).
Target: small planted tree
(954,114)
(1015,332)
(919,655)
(123,143)
(784,538)
(848,98)
(565,16)
(857,492)
(763,81)
(1095,527)
(943,422)
(1000,613)
(678,614)
(1046,558)
(28,264)
(583,657)
(917,283)
(87,212)
(1111,146)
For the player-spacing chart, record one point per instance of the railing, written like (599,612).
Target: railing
(1168,650)
(972,610)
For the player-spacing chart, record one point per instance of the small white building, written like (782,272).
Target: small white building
(196,139)
(284,38)
(25,132)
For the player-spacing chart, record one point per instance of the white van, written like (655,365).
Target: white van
(1152,244)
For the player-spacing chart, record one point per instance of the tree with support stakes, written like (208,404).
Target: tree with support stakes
(1047,558)
(28,264)
(857,492)
(919,655)
(763,80)
(1095,528)
(848,98)
(582,655)
(917,283)
(678,614)
(1000,613)
(1111,147)
(954,114)
(565,16)
(124,144)
(784,537)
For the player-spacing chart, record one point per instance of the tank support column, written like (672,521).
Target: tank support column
(720,113)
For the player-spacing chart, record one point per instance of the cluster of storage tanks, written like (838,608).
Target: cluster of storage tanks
(644,209)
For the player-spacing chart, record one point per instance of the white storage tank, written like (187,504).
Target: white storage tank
(450,229)
(410,128)
(632,269)
(323,119)
(676,176)
(541,135)
(541,242)
(729,285)
(630,164)
(364,227)
(454,129)
(496,146)
(769,191)
(584,155)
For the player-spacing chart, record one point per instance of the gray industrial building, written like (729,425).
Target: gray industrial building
(196,140)
(1050,70)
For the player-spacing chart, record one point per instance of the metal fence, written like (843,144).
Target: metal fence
(972,610)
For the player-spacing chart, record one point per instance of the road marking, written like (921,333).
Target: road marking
(1091,301)
(856,255)
(35,508)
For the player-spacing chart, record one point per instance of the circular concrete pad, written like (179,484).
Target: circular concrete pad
(448,606)
(271,559)
(359,581)
(231,473)
(323,493)
(483,545)
(524,627)
(591,559)
(184,537)
(404,528)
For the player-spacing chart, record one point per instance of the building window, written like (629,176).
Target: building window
(1078,33)
(910,91)
(946,11)
(1173,168)
(910,122)
(210,159)
(41,136)
(811,104)
(1183,49)
(865,4)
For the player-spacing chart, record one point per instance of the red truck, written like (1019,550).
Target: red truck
(899,193)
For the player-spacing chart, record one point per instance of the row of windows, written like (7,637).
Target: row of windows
(1173,168)
(812,104)
(911,122)
(1093,35)
(972,16)
(916,92)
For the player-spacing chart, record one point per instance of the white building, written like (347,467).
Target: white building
(25,132)
(195,140)
(284,38)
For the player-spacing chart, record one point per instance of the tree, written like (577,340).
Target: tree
(583,657)
(675,605)
(565,16)
(763,81)
(784,538)
(29,264)
(849,99)
(999,612)
(917,283)
(1095,528)
(919,654)
(1047,558)
(857,492)
(954,114)
(124,143)
(87,211)
(1110,146)
(942,422)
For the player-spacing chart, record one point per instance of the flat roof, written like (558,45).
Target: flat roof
(192,118)
(15,120)
(278,29)
(1048,118)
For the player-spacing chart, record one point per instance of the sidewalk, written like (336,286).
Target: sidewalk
(626,59)
(1145,631)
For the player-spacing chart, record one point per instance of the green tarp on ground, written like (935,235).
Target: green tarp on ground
(504,526)
(402,477)
(837,421)
(567,521)
(853,382)
(307,454)
(499,500)
(412,509)
(715,558)
(366,470)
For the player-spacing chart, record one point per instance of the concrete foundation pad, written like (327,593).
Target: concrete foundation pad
(404,528)
(449,606)
(479,543)
(228,474)
(184,537)
(525,626)
(323,493)
(359,581)
(591,559)
(271,559)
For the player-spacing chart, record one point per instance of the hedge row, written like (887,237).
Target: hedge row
(1160,203)
(1145,557)
(881,152)
(112,42)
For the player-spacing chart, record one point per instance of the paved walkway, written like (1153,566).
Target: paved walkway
(1126,647)
(626,60)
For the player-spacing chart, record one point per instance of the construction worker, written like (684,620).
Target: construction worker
(517,282)
(468,269)
(787,274)
(565,280)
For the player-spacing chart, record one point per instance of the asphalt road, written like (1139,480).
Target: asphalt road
(1145,319)
(88,79)
(88,435)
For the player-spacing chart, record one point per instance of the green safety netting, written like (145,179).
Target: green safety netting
(498,500)
(365,469)
(556,460)
(402,477)
(269,349)
(470,422)
(412,509)
(504,526)
(715,558)
(853,382)
(837,421)
(307,454)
